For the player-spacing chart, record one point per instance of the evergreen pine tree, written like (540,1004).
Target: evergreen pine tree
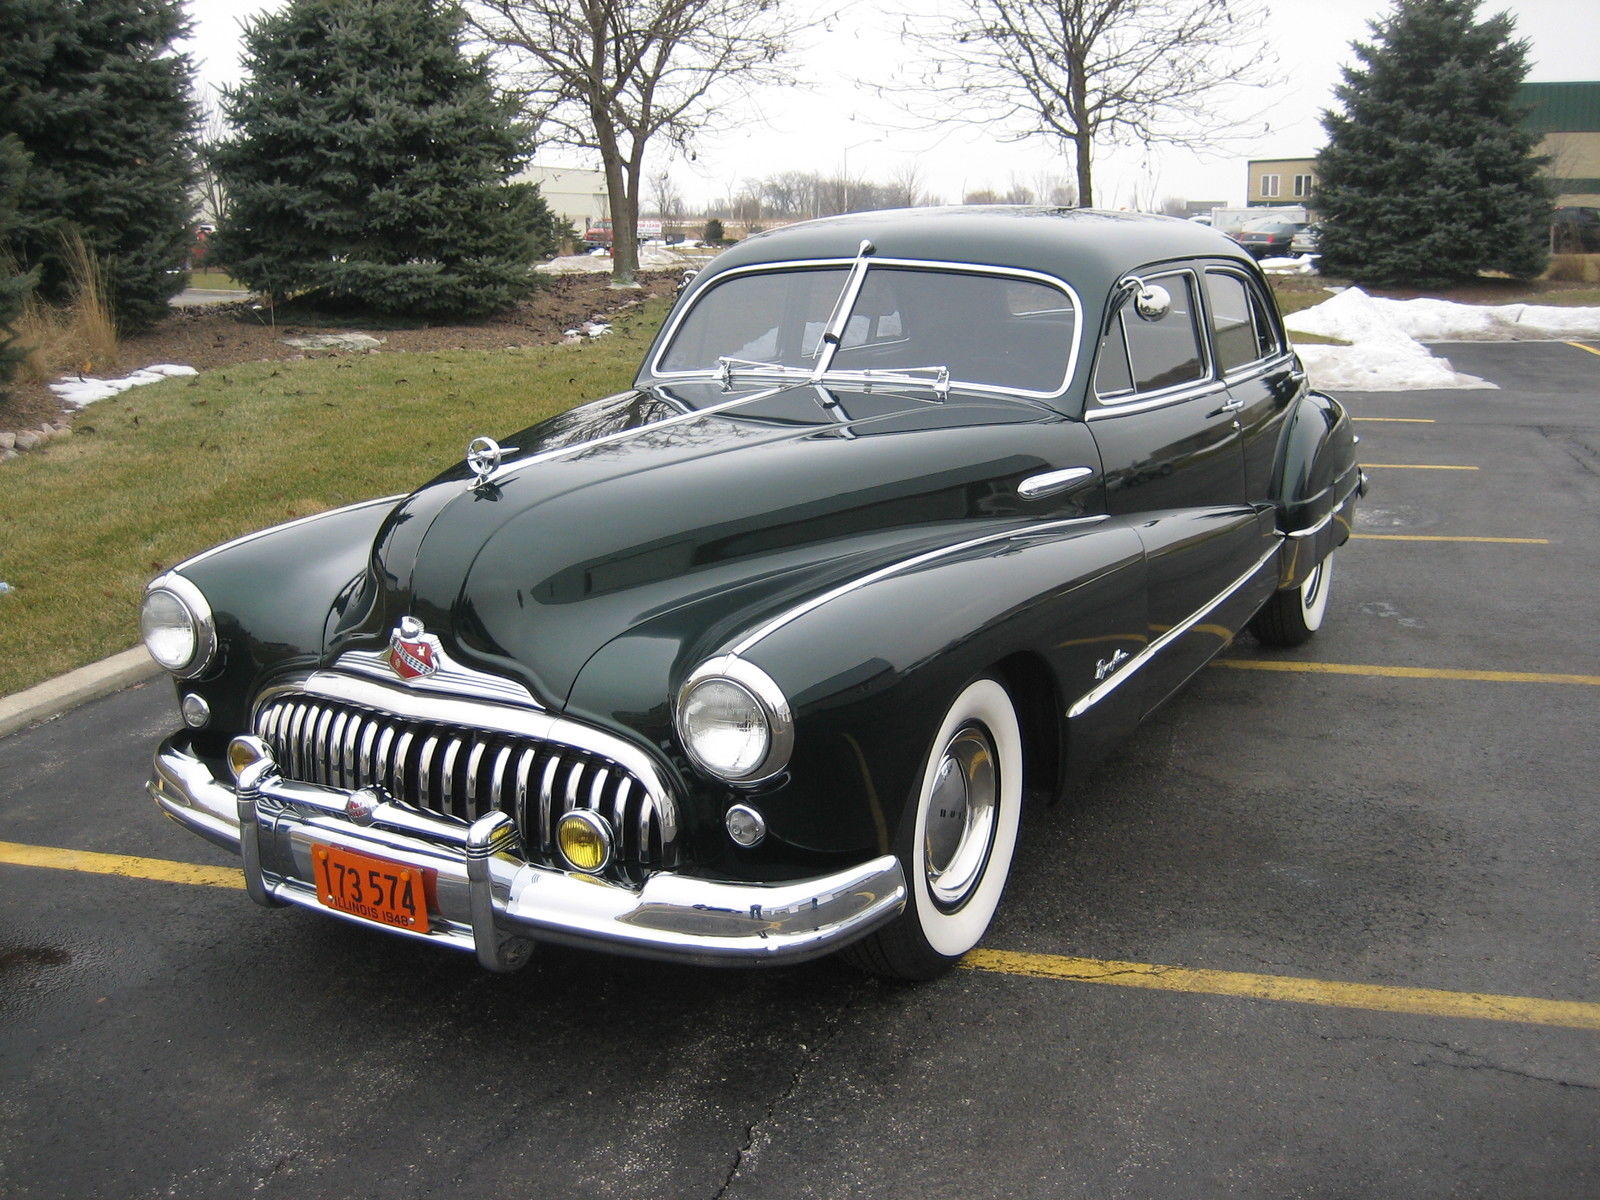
(103,108)
(1428,177)
(15,283)
(372,162)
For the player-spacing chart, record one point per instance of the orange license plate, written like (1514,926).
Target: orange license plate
(375,888)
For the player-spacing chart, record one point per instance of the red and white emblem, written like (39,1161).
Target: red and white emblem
(411,652)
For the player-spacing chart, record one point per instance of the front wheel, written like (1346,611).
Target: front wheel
(956,845)
(1294,614)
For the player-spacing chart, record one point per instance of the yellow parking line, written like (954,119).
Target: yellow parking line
(1400,420)
(1316,668)
(1581,346)
(126,865)
(1416,467)
(1526,1010)
(1422,537)
(1426,1002)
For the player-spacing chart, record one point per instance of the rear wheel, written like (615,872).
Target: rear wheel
(956,845)
(1294,614)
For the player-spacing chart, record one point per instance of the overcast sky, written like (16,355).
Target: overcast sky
(836,124)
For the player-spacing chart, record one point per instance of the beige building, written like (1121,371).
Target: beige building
(1567,118)
(575,194)
(1280,181)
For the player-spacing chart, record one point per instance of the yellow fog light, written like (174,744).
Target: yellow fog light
(585,840)
(246,752)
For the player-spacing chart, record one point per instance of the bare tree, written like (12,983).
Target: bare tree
(214,130)
(610,76)
(666,197)
(1092,72)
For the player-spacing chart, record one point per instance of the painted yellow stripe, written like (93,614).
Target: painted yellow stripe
(126,865)
(1581,346)
(1416,467)
(1316,668)
(1399,420)
(1420,537)
(1425,1002)
(1419,1001)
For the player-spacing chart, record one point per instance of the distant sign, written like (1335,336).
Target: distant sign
(599,232)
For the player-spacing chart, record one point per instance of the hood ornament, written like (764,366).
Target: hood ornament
(484,456)
(412,653)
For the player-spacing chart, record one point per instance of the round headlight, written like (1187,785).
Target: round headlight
(734,721)
(175,622)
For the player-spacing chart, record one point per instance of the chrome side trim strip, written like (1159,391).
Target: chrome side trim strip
(261,533)
(506,470)
(1128,670)
(844,589)
(1205,387)
(1311,530)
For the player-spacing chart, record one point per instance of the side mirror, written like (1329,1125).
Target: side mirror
(1152,302)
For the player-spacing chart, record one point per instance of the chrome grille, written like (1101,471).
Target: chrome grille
(461,772)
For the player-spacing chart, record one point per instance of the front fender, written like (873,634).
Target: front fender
(868,668)
(274,595)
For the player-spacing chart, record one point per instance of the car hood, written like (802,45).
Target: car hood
(624,510)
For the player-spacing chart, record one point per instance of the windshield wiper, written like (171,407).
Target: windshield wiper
(939,377)
(727,368)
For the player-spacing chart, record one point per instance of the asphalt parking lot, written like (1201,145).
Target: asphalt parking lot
(1328,926)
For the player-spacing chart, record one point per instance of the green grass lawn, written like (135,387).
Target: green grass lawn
(215,281)
(161,472)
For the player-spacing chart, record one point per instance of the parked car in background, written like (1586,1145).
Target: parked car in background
(1575,231)
(1269,238)
(1305,242)
(906,516)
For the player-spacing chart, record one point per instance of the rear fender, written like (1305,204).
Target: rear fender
(1317,484)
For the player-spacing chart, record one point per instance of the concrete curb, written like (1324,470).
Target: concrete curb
(66,692)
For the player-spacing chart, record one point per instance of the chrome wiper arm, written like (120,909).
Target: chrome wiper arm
(727,368)
(936,375)
(833,333)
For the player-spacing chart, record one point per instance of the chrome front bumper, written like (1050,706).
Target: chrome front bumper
(493,903)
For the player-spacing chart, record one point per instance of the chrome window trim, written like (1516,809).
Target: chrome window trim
(1264,363)
(1092,697)
(1159,400)
(762,632)
(475,714)
(1052,281)
(298,521)
(1138,401)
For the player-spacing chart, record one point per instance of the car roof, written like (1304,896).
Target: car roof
(1089,248)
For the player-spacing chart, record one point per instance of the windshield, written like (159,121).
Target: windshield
(984,329)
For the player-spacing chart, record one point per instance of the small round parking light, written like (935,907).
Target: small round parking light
(196,712)
(584,839)
(745,826)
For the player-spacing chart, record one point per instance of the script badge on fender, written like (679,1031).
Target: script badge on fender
(411,652)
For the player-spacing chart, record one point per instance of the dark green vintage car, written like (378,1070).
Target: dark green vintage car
(907,516)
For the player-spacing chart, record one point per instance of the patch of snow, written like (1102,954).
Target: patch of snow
(651,258)
(1304,265)
(78,392)
(1447,321)
(1383,356)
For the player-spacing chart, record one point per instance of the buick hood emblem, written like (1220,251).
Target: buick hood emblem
(412,653)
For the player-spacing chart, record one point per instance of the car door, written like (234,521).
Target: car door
(1262,375)
(1173,461)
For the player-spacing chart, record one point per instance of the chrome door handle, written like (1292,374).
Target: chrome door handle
(1053,482)
(1231,405)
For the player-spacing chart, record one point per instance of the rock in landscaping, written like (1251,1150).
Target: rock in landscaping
(336,341)
(8,441)
(27,440)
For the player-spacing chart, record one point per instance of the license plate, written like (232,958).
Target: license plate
(387,892)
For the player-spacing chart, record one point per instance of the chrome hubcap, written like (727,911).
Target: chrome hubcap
(1312,585)
(961,817)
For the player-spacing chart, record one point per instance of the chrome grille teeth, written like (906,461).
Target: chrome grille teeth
(459,772)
